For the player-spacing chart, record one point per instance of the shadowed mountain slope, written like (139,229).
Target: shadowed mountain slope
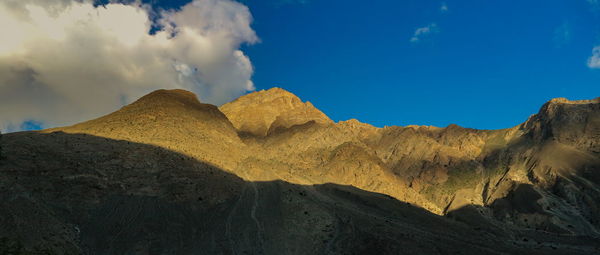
(84,194)
(270,174)
(555,153)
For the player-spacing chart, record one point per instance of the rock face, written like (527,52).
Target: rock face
(262,112)
(269,174)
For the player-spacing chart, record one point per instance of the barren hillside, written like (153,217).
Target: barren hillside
(271,174)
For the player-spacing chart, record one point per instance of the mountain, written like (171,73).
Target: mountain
(263,112)
(174,120)
(270,174)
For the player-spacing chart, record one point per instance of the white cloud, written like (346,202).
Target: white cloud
(423,31)
(444,7)
(64,61)
(594,60)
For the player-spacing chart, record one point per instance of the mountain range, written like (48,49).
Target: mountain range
(271,174)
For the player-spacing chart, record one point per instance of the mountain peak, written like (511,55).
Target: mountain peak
(168,96)
(277,91)
(567,121)
(265,110)
(163,104)
(266,95)
(562,100)
(173,119)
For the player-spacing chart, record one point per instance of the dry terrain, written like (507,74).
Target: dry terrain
(270,174)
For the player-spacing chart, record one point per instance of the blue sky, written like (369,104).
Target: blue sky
(479,64)
(483,64)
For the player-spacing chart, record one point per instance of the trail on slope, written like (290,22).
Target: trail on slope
(253,214)
(228,221)
(253,209)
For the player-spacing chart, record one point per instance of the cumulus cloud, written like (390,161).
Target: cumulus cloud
(594,60)
(66,61)
(423,32)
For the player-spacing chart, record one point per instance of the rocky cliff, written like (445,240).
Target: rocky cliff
(270,174)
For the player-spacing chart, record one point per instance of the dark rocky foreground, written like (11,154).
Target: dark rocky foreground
(81,194)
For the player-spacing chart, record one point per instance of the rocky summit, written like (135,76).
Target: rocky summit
(270,174)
